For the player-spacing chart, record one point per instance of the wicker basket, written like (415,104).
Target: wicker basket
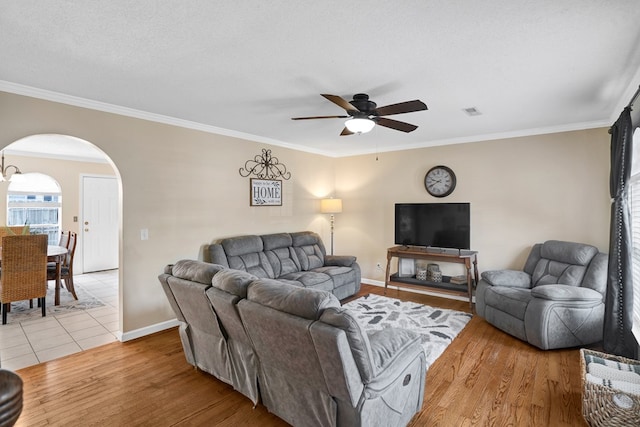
(605,406)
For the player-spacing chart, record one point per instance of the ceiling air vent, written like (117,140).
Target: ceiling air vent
(472,111)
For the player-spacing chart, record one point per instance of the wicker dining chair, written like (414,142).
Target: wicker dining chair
(13,231)
(24,271)
(66,269)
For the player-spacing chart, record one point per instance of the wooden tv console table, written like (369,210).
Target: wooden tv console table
(434,254)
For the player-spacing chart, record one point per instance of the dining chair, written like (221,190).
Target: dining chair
(66,269)
(13,230)
(24,271)
(64,239)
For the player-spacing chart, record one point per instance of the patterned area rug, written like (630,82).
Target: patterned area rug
(21,312)
(438,327)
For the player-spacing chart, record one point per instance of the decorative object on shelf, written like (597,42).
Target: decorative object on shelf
(458,280)
(421,273)
(265,166)
(5,170)
(331,206)
(266,192)
(433,273)
(440,181)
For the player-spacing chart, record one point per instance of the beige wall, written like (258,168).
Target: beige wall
(184,187)
(67,174)
(180,184)
(521,190)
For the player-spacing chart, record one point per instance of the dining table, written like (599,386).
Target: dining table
(55,254)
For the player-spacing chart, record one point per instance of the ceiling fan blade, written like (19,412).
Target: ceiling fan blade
(394,124)
(346,132)
(402,107)
(319,117)
(340,102)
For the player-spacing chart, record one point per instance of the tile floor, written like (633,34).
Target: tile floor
(34,341)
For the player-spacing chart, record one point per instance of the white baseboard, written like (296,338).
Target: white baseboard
(433,293)
(147,330)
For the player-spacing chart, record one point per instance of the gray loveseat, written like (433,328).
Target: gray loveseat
(294,348)
(296,258)
(557,301)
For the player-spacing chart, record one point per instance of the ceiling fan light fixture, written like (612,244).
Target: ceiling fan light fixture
(359,125)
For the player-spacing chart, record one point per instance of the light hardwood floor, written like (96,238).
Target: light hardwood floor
(484,377)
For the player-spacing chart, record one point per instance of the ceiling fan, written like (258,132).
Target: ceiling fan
(363,114)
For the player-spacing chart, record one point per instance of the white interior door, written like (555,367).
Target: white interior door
(99,223)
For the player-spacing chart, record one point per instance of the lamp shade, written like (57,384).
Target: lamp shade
(359,125)
(331,206)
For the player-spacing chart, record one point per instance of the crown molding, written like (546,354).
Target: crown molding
(76,101)
(139,114)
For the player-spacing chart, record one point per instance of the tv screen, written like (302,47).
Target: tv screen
(442,225)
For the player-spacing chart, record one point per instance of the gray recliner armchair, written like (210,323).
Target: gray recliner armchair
(557,301)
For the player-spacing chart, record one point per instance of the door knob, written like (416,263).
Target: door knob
(86,229)
(86,223)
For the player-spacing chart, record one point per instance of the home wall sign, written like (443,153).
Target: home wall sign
(266,188)
(266,192)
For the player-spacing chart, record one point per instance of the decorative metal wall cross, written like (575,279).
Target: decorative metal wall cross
(265,166)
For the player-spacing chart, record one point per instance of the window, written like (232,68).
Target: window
(635,230)
(35,199)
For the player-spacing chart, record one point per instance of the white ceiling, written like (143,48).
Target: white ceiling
(245,67)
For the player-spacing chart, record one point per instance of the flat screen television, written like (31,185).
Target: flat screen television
(442,225)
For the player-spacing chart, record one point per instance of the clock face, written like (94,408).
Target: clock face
(440,181)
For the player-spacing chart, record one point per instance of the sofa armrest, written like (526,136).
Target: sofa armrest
(511,278)
(390,345)
(393,352)
(339,260)
(566,293)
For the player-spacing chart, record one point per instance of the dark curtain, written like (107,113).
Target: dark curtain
(618,338)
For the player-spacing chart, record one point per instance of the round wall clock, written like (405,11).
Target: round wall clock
(440,181)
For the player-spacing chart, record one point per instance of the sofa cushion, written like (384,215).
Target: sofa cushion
(279,251)
(309,249)
(568,252)
(566,293)
(310,279)
(512,301)
(301,302)
(196,271)
(241,245)
(234,282)
(275,241)
(549,272)
(246,253)
(338,275)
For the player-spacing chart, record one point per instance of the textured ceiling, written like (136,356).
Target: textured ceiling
(245,68)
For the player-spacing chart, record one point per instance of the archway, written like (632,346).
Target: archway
(67,159)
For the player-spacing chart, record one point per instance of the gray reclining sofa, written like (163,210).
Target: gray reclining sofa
(296,258)
(557,301)
(294,348)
